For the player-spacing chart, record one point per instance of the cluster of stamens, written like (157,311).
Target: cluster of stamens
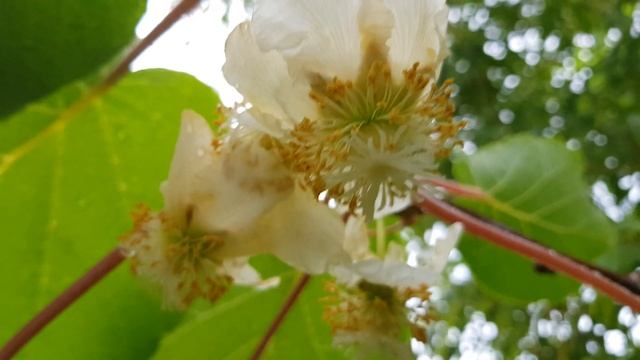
(372,136)
(371,313)
(179,260)
(191,256)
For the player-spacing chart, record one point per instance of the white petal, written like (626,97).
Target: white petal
(245,183)
(313,36)
(220,191)
(384,272)
(263,79)
(440,252)
(419,34)
(300,231)
(193,154)
(356,242)
(394,271)
(241,272)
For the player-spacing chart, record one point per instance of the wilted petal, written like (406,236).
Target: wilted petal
(224,190)
(399,204)
(356,239)
(393,270)
(376,22)
(264,80)
(299,230)
(419,34)
(313,36)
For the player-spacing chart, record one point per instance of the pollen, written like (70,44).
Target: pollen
(192,259)
(373,136)
(372,315)
(362,308)
(179,261)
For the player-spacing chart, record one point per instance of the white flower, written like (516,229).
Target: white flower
(392,270)
(226,201)
(367,306)
(370,317)
(215,186)
(345,91)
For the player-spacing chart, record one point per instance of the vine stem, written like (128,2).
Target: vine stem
(277,321)
(532,250)
(174,15)
(63,301)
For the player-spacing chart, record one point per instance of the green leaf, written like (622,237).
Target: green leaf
(536,189)
(634,126)
(46,44)
(232,328)
(71,170)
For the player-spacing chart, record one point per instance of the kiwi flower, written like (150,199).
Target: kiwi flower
(225,200)
(346,93)
(389,266)
(367,305)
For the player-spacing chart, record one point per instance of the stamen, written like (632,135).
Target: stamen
(373,315)
(178,260)
(372,137)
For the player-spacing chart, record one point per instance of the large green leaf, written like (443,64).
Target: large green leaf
(232,328)
(537,189)
(71,172)
(46,44)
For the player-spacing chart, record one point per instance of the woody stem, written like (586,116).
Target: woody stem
(624,294)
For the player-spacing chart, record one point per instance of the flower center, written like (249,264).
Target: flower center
(372,315)
(376,99)
(192,260)
(179,260)
(373,135)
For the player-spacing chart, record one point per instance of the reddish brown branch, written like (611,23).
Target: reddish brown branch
(532,250)
(123,67)
(68,297)
(457,189)
(277,321)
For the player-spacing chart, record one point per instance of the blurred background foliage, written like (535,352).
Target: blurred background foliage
(566,70)
(563,69)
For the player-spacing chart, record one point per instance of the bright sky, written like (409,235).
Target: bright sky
(194,45)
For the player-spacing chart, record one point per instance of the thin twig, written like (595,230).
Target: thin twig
(532,250)
(123,67)
(57,306)
(277,321)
